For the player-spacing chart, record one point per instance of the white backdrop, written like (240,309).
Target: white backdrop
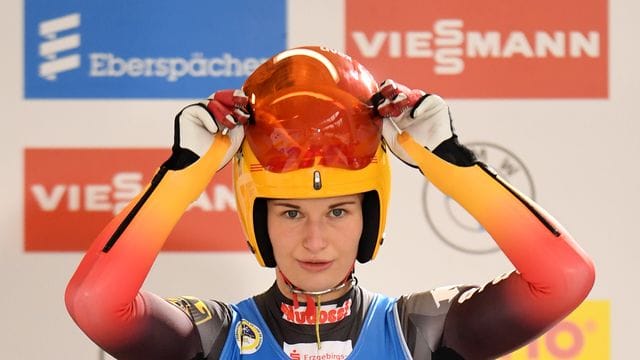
(581,153)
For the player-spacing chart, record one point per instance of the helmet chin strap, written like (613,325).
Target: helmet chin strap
(312,298)
(349,281)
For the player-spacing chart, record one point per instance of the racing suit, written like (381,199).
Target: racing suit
(552,276)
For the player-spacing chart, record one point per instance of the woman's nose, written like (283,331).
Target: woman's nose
(314,239)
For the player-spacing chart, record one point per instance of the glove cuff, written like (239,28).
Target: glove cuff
(455,153)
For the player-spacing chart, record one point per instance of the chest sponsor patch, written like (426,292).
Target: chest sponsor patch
(328,314)
(329,350)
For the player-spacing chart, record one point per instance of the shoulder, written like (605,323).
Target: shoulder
(422,316)
(432,302)
(201,311)
(212,320)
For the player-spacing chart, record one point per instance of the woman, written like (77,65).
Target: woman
(309,148)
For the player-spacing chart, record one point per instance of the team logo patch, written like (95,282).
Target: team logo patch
(248,337)
(195,308)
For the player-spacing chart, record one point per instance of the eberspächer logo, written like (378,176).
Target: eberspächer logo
(145,48)
(57,44)
(452,223)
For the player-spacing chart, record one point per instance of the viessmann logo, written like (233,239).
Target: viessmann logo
(486,49)
(58,44)
(71,194)
(449,44)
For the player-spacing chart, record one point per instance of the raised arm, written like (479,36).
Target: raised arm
(553,274)
(103,297)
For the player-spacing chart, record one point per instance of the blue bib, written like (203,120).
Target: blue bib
(249,336)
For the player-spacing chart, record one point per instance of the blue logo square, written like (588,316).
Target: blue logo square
(146,49)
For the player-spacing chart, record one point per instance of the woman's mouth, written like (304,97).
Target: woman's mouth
(314,265)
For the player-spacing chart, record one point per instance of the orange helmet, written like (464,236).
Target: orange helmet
(312,133)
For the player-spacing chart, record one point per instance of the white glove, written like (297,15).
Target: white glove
(196,124)
(425,116)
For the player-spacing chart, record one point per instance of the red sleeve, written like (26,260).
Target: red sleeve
(553,274)
(103,297)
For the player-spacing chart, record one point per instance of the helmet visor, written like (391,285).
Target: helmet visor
(302,128)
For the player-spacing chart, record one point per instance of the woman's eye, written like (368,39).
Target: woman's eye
(337,212)
(291,214)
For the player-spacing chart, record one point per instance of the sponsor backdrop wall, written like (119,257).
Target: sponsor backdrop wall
(544,91)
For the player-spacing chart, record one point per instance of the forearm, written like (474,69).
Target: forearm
(556,270)
(103,296)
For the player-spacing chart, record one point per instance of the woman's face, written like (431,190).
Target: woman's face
(315,241)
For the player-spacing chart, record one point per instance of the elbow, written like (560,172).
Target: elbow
(92,310)
(82,304)
(582,277)
(105,322)
(562,292)
(572,273)
(577,280)
(70,298)
(82,300)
